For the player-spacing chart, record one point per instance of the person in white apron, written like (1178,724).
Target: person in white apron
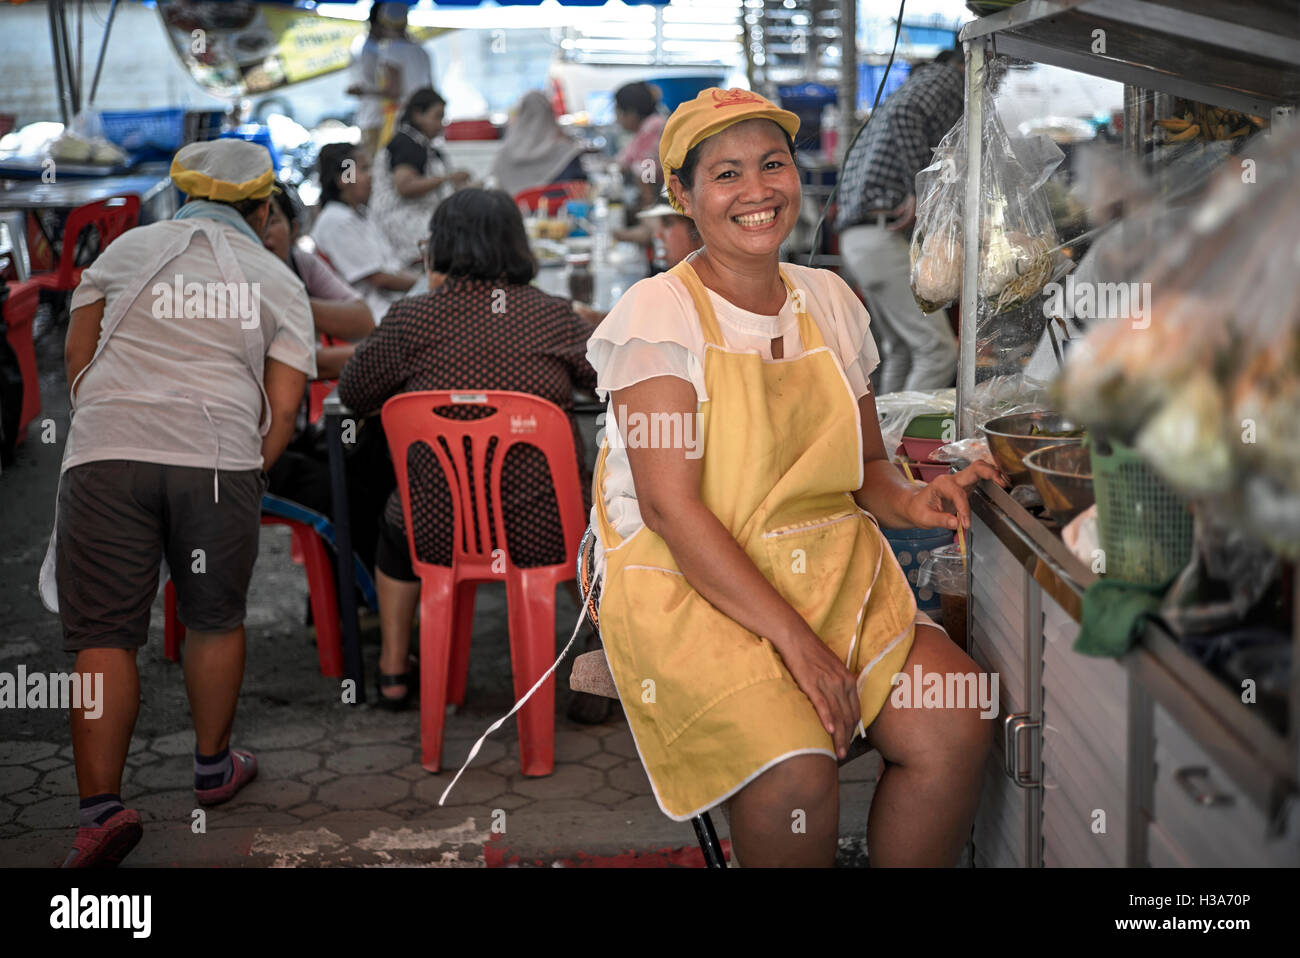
(187,353)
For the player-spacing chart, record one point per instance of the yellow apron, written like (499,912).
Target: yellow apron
(711,705)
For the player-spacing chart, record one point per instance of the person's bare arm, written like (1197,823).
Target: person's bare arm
(330,360)
(640,234)
(398,281)
(342,319)
(83,337)
(668,494)
(409,183)
(284,388)
(900,504)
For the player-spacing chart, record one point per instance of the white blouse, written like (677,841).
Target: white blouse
(653,331)
(356,247)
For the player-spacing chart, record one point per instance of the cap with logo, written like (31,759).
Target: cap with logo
(707,115)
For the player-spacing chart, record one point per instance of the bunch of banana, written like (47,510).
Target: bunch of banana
(1209,123)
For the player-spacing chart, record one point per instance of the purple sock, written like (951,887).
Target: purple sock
(97,809)
(212,771)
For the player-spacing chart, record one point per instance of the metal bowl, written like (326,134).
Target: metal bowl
(1063,476)
(1010,439)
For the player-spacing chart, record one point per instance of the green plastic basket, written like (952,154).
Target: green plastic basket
(1144,527)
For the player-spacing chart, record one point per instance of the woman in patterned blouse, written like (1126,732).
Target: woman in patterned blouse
(483,328)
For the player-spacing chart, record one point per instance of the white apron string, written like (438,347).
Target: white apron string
(582,617)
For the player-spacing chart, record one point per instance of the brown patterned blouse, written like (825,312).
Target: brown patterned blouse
(453,338)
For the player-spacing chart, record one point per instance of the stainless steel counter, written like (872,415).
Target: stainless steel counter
(1261,762)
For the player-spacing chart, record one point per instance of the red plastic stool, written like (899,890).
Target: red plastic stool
(20,316)
(320,583)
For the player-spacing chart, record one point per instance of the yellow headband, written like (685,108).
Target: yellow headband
(193,169)
(708,114)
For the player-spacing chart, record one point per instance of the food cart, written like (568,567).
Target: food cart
(1149,758)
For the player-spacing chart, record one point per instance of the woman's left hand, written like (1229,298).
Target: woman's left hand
(943,503)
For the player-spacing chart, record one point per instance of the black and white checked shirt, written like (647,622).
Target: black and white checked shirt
(880,170)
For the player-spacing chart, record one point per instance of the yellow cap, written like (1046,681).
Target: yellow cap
(709,113)
(226,170)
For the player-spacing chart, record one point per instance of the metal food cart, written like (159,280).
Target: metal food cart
(1148,759)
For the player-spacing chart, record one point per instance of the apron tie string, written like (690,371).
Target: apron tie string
(582,617)
(216,434)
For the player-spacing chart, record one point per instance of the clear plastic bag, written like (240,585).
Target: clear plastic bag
(1019,252)
(1206,383)
(897,410)
(83,142)
(937,244)
(965,451)
(1002,396)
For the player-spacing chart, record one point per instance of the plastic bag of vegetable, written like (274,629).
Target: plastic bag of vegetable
(1207,385)
(1018,242)
(937,249)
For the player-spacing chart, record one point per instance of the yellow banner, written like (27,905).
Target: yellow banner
(237,48)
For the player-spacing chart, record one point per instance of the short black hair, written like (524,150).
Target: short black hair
(329,165)
(686,172)
(420,101)
(479,234)
(287,202)
(242,207)
(636,98)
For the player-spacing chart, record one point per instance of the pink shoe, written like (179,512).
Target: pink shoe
(244,770)
(104,846)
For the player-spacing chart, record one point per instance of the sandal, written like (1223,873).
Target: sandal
(409,678)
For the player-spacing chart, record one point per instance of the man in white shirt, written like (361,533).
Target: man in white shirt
(188,351)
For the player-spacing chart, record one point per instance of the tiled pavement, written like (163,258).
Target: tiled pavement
(343,786)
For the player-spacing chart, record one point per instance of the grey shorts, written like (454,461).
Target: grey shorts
(118,516)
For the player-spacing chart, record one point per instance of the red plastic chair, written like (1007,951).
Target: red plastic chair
(20,316)
(447,593)
(308,549)
(555,195)
(110,218)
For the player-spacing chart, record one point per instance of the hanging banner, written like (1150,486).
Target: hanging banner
(235,48)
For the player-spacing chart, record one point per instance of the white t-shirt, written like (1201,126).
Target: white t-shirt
(356,247)
(364,73)
(157,351)
(413,61)
(653,330)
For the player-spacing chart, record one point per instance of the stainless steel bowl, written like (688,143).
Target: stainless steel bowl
(1011,439)
(1063,476)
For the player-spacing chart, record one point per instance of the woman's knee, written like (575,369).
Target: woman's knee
(802,787)
(942,709)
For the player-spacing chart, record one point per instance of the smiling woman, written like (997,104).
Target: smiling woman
(751,587)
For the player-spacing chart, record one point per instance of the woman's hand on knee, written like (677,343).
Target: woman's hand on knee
(830,687)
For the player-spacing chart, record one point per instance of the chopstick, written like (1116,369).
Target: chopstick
(907,472)
(961,543)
